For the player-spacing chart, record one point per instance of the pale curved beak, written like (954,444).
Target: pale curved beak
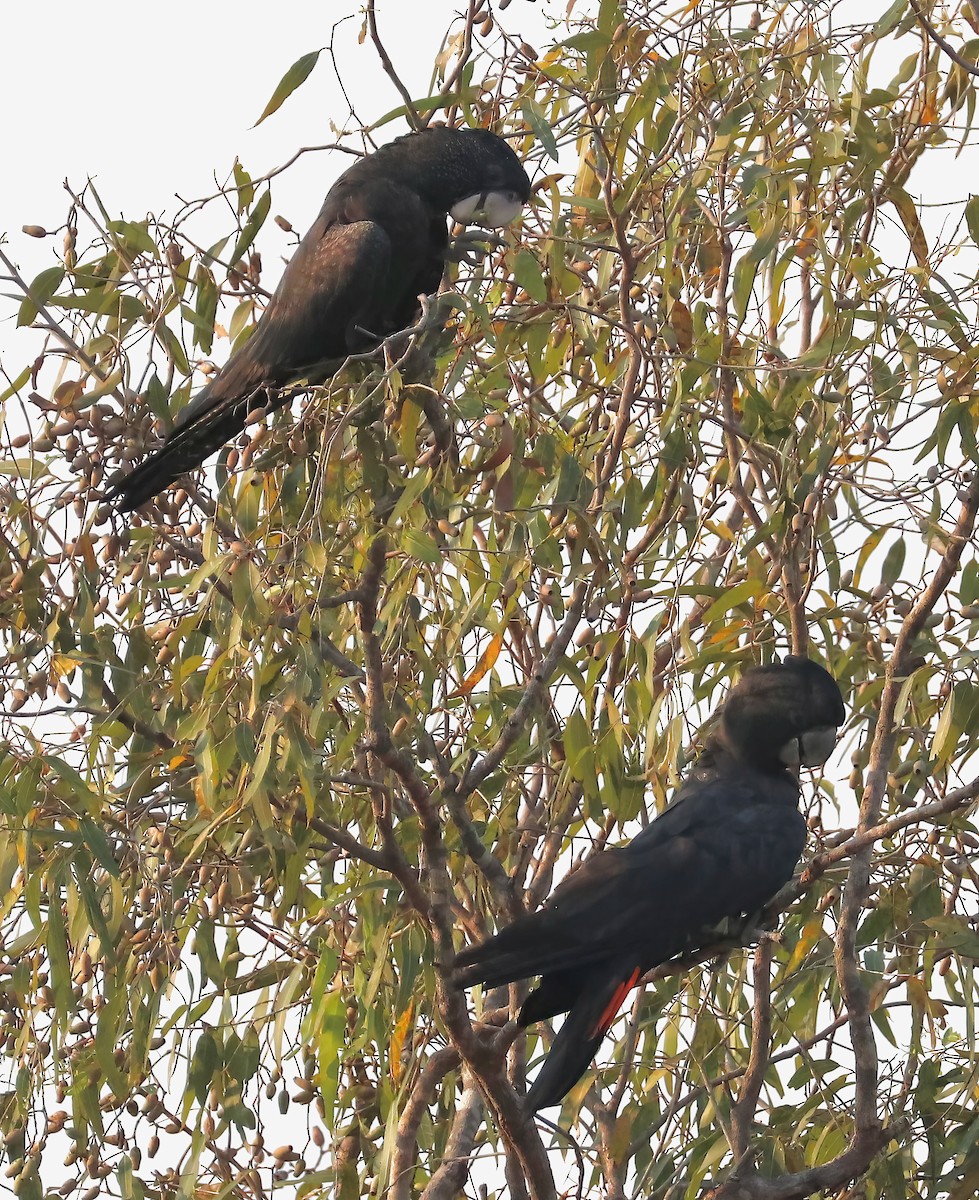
(493,210)
(811,748)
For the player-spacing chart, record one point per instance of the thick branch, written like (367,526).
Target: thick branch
(406,1139)
(478,1053)
(133,724)
(857,885)
(831,1176)
(869,1136)
(949,803)
(449,1180)
(489,866)
(761,1039)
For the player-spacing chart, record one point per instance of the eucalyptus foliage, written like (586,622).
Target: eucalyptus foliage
(369,685)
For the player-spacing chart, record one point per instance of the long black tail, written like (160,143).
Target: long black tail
(213,417)
(532,945)
(580,1036)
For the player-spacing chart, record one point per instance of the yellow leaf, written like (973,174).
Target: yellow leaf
(502,451)
(721,529)
(616,724)
(908,213)
(682,325)
(398,1043)
(62,665)
(410,416)
(65,394)
(922,1001)
(807,240)
(807,939)
(84,547)
(485,664)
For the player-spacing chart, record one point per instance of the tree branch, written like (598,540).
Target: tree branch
(483,767)
(869,1135)
(414,120)
(479,1053)
(405,1150)
(449,1180)
(942,43)
(852,1162)
(133,724)
(761,1037)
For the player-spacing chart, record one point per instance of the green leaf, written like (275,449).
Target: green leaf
(908,212)
(242,1058)
(972,218)
(134,237)
(332,1025)
(745,270)
(534,116)
(255,793)
(591,39)
(22,379)
(890,572)
(890,20)
(732,597)
(130,1188)
(205,309)
(203,1064)
(297,74)
(422,546)
(570,481)
(579,746)
(95,840)
(426,105)
(527,272)
(254,223)
(205,950)
(245,187)
(40,292)
(956,935)
(30,469)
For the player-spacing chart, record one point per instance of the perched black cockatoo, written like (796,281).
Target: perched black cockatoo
(723,849)
(379,243)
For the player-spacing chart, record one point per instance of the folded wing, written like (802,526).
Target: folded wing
(333,282)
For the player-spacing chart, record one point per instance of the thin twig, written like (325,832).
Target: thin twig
(516,723)
(414,120)
(942,43)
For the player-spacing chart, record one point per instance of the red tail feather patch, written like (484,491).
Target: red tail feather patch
(609,1012)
